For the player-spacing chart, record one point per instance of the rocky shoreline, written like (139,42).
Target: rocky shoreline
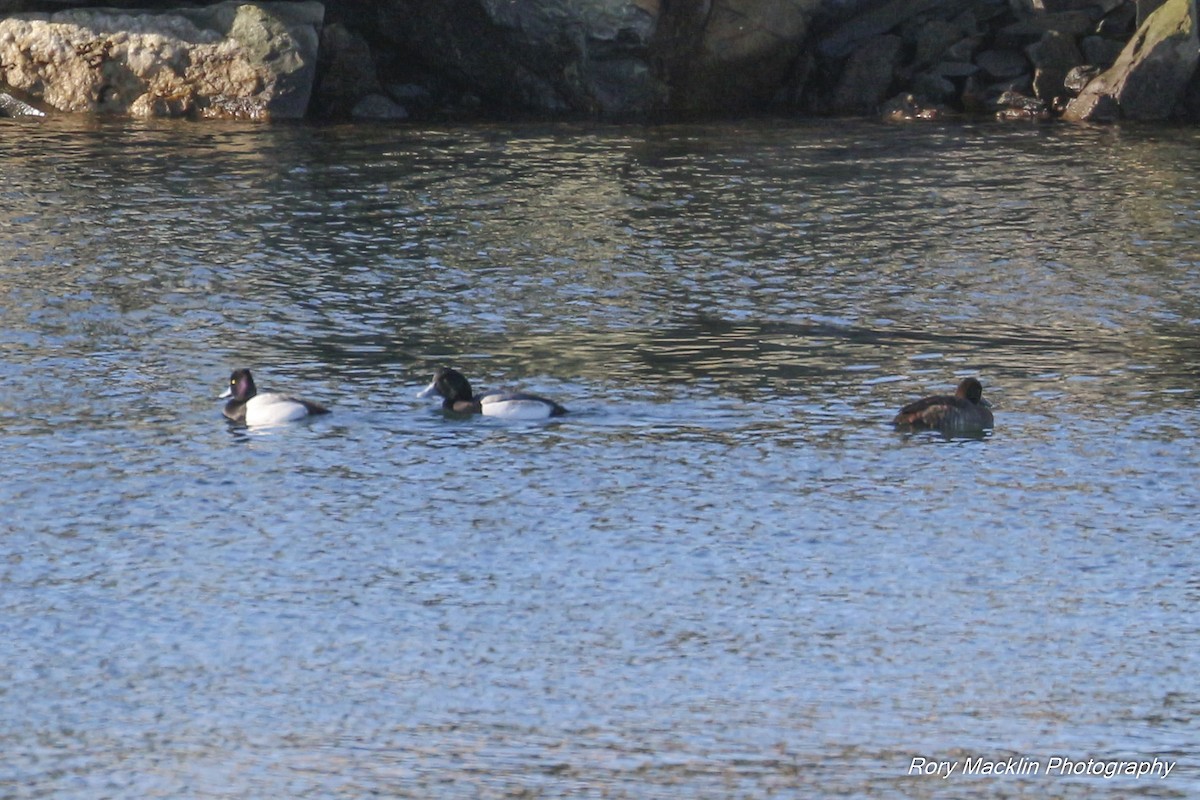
(1079,60)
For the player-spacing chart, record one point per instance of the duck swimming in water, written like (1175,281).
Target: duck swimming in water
(247,405)
(457,397)
(966,410)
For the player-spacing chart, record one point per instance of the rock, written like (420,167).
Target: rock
(1016,106)
(556,56)
(1026,31)
(1093,107)
(233,59)
(12,107)
(1001,64)
(933,40)
(955,69)
(378,107)
(728,54)
(1080,77)
(935,87)
(1031,8)
(1052,58)
(1152,72)
(1100,51)
(847,37)
(867,77)
(346,75)
(1145,8)
(1120,23)
(964,49)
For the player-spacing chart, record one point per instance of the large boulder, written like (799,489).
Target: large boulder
(230,60)
(1149,78)
(729,55)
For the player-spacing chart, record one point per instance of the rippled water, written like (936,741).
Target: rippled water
(723,575)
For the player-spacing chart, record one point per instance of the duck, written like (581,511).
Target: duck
(965,410)
(247,405)
(457,397)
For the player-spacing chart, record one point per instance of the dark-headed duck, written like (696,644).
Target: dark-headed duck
(247,405)
(965,411)
(456,396)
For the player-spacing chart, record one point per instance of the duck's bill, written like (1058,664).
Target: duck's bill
(227,393)
(428,391)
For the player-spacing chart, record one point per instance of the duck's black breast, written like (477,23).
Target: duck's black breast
(235,410)
(462,406)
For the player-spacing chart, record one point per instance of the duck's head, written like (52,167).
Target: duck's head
(971,390)
(241,386)
(449,384)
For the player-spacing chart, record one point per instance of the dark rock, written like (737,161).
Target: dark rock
(963,49)
(954,69)
(847,37)
(1002,64)
(346,74)
(868,75)
(1152,72)
(932,86)
(378,107)
(1145,8)
(933,39)
(1025,32)
(1120,23)
(1052,58)
(537,55)
(1032,8)
(1100,51)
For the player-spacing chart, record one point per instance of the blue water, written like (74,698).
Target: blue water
(722,575)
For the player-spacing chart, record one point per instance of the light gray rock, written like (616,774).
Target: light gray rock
(12,107)
(230,60)
(1152,72)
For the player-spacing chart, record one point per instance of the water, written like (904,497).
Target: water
(723,575)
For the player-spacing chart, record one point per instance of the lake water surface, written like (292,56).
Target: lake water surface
(722,575)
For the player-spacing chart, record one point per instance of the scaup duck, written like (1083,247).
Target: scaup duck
(268,408)
(966,410)
(457,397)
